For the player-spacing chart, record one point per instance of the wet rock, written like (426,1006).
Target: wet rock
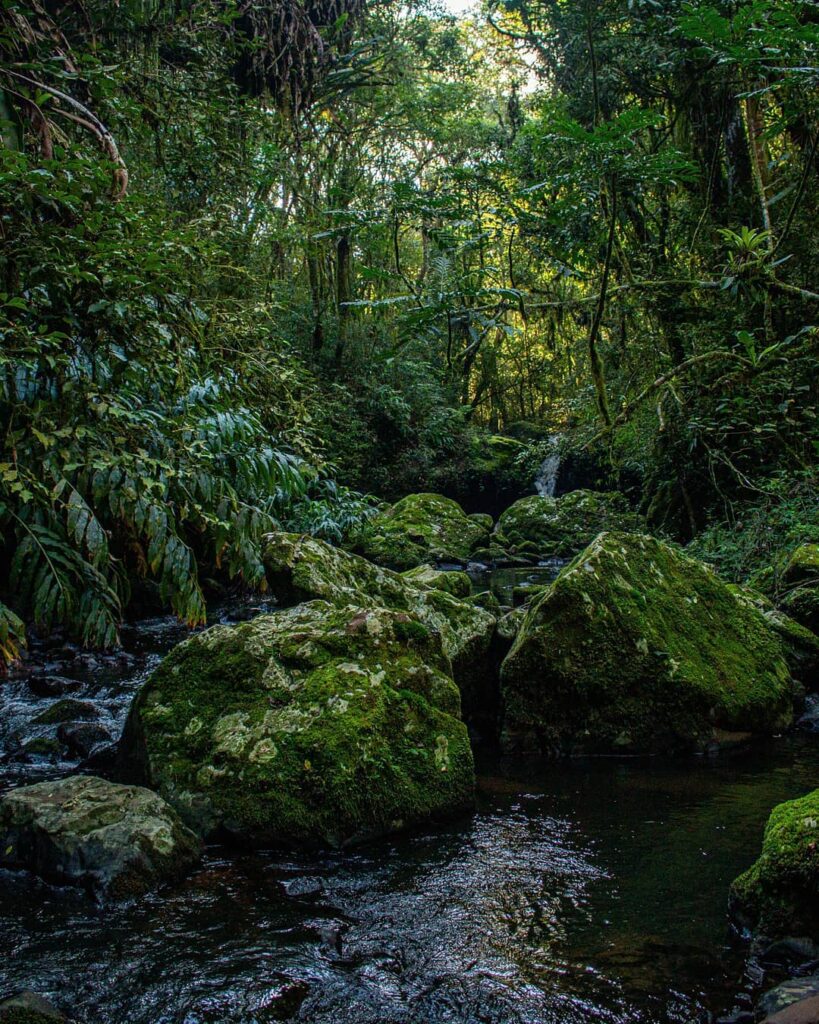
(421,528)
(637,648)
(304,886)
(779,895)
(51,686)
(316,725)
(29,1008)
(791,991)
(809,719)
(561,527)
(739,1017)
(42,747)
(67,710)
(83,738)
(806,1011)
(112,840)
(789,955)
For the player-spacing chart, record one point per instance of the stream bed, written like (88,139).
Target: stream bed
(580,891)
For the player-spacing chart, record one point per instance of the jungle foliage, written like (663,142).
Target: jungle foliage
(252,249)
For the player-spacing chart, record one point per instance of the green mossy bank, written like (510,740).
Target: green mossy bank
(562,527)
(779,895)
(321,724)
(421,528)
(637,648)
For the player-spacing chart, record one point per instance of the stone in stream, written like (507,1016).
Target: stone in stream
(778,896)
(318,725)
(637,648)
(421,528)
(66,710)
(82,739)
(806,1011)
(561,527)
(794,990)
(112,840)
(300,568)
(29,1008)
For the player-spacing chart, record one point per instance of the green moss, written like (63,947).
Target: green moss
(801,580)
(636,647)
(559,527)
(320,724)
(803,565)
(302,568)
(418,529)
(66,710)
(779,895)
(451,581)
(800,645)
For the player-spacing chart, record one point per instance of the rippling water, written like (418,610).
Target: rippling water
(581,891)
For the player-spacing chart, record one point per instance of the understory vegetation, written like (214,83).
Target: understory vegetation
(264,264)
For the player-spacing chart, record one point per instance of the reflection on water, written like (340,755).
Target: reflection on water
(579,891)
(584,891)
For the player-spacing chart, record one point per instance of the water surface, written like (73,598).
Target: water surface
(579,891)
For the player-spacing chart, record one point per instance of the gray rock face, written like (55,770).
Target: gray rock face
(112,840)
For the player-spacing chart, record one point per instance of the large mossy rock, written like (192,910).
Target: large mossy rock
(110,839)
(301,568)
(801,579)
(321,724)
(778,896)
(562,527)
(637,648)
(800,644)
(418,529)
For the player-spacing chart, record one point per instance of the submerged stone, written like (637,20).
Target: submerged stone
(561,527)
(637,648)
(110,839)
(421,528)
(316,725)
(779,895)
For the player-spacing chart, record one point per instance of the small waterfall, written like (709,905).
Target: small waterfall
(546,479)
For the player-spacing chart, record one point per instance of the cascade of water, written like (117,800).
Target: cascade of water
(546,479)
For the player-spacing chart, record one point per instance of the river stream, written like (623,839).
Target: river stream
(581,891)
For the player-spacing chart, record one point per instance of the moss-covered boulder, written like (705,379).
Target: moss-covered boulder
(779,895)
(451,581)
(801,581)
(111,840)
(561,527)
(321,724)
(301,568)
(800,644)
(637,648)
(418,529)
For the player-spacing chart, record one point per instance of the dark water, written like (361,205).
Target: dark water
(578,892)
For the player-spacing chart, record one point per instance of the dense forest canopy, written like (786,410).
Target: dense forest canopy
(263,260)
